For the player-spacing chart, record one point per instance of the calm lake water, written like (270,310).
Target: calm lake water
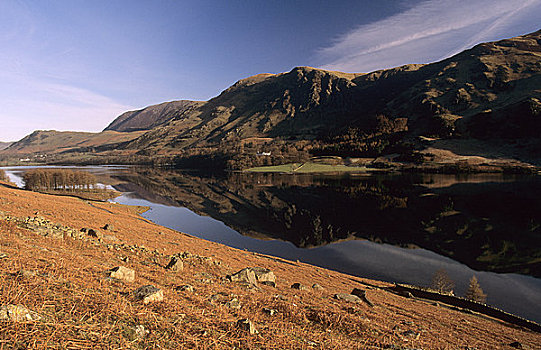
(368,226)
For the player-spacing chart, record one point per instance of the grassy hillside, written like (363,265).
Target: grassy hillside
(57,291)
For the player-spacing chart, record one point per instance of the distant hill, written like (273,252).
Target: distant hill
(485,96)
(4,145)
(152,116)
(54,142)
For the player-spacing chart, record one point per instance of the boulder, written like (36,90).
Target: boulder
(175,264)
(348,297)
(246,275)
(122,273)
(264,276)
(362,295)
(247,325)
(92,233)
(316,286)
(17,313)
(185,288)
(299,286)
(233,304)
(149,294)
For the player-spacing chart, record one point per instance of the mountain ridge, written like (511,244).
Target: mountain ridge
(490,92)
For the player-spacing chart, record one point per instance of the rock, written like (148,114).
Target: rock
(175,264)
(108,227)
(17,313)
(516,345)
(247,325)
(92,233)
(269,311)
(264,276)
(411,335)
(3,255)
(245,275)
(141,332)
(185,288)
(299,286)
(233,304)
(122,273)
(362,295)
(26,273)
(348,297)
(149,294)
(316,286)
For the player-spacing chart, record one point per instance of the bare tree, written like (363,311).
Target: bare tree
(442,282)
(475,292)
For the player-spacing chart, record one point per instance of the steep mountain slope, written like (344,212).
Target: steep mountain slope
(494,84)
(152,116)
(4,145)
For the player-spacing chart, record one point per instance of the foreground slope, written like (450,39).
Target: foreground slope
(72,303)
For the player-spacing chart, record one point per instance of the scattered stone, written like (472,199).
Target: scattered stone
(108,227)
(299,286)
(516,345)
(3,256)
(92,233)
(247,325)
(141,332)
(362,295)
(175,264)
(122,273)
(316,286)
(411,335)
(264,276)
(26,273)
(281,297)
(348,297)
(233,304)
(269,311)
(245,275)
(17,313)
(149,294)
(185,288)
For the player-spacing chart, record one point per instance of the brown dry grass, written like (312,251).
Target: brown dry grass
(83,309)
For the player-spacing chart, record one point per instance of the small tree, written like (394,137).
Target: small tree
(442,282)
(475,292)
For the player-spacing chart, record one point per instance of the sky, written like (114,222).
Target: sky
(77,64)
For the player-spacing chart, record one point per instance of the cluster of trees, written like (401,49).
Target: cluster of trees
(443,284)
(59,180)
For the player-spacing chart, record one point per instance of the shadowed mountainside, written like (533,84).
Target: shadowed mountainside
(152,116)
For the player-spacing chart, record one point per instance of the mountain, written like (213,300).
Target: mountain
(152,116)
(4,145)
(43,144)
(485,101)
(490,92)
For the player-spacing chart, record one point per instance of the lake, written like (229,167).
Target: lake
(397,228)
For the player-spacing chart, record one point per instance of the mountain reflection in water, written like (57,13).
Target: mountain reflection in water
(446,215)
(489,222)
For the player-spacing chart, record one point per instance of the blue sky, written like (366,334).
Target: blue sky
(77,64)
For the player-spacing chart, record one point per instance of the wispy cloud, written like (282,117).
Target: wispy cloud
(427,31)
(30,104)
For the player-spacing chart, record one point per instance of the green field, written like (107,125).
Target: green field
(309,167)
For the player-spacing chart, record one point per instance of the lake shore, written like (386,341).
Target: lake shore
(67,267)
